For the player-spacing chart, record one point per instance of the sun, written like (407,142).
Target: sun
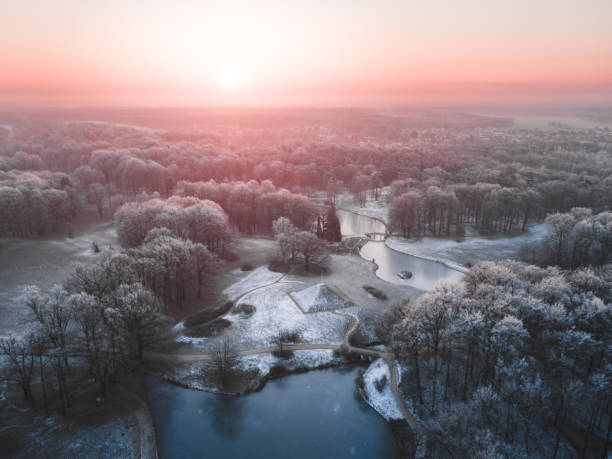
(230,77)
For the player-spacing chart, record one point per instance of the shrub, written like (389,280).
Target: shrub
(279,266)
(209,329)
(246,310)
(277,370)
(283,338)
(376,293)
(208,313)
(381,383)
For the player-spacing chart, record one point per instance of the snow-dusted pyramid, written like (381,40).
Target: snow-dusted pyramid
(320,297)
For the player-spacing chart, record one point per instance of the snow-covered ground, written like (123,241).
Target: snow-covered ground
(191,374)
(312,358)
(53,437)
(382,401)
(275,311)
(42,262)
(459,255)
(319,297)
(368,320)
(257,278)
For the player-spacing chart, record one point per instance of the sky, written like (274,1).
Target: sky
(319,52)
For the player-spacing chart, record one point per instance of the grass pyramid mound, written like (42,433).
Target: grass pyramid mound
(320,297)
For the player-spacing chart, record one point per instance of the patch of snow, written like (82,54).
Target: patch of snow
(455,254)
(424,252)
(311,358)
(274,312)
(320,297)
(383,401)
(257,278)
(261,362)
(179,327)
(190,340)
(380,347)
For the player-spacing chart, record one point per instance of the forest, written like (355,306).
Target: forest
(512,361)
(442,180)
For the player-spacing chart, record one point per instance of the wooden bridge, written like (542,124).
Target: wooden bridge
(377,236)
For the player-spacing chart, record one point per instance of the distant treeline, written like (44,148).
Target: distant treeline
(441,179)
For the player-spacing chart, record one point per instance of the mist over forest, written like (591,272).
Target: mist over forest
(455,261)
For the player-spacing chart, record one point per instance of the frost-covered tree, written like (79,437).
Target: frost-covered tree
(517,351)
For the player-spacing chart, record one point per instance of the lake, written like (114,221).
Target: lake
(425,273)
(308,415)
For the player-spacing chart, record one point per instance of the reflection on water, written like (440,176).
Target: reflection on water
(310,415)
(352,224)
(425,273)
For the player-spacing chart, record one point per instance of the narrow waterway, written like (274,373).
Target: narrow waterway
(310,415)
(425,273)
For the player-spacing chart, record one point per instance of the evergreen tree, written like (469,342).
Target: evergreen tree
(332,225)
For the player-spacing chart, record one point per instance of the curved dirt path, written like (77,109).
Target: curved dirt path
(185,358)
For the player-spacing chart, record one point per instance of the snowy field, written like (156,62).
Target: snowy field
(43,262)
(320,297)
(191,374)
(53,437)
(376,377)
(459,255)
(275,311)
(257,278)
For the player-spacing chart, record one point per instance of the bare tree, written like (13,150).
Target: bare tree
(225,361)
(21,359)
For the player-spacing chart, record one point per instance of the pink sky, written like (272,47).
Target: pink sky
(299,52)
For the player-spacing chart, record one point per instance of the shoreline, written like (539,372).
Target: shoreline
(447,263)
(400,428)
(258,383)
(378,219)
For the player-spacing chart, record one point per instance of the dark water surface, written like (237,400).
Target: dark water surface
(310,415)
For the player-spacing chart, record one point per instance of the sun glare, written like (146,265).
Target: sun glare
(230,78)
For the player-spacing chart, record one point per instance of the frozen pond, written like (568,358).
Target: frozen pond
(425,273)
(310,415)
